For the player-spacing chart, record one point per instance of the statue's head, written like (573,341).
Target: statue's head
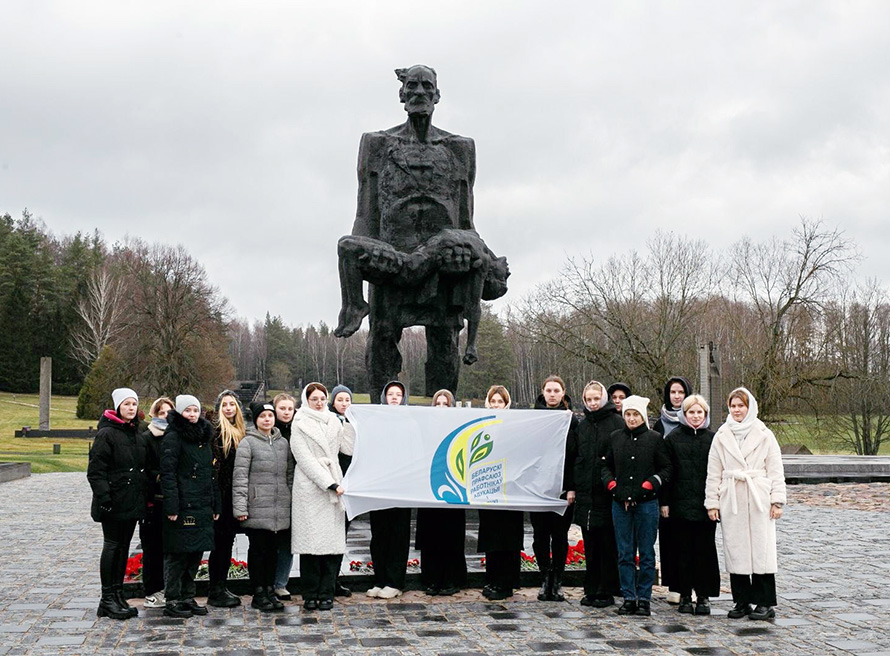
(419,92)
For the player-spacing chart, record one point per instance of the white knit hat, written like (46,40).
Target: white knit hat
(638,403)
(185,400)
(121,394)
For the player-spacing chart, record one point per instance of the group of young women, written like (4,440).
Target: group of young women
(193,482)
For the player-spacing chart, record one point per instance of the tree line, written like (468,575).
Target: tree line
(789,317)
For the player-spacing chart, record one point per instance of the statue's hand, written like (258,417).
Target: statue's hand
(383,260)
(459,259)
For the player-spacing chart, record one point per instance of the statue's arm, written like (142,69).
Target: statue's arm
(465,217)
(367,214)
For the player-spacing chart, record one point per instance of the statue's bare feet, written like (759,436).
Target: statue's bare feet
(351,318)
(471,355)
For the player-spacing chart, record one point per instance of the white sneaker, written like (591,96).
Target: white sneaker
(389,593)
(673,597)
(373,592)
(283,594)
(157,600)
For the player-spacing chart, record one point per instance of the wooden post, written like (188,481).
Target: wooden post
(46,390)
(715,384)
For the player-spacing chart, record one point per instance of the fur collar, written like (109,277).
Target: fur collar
(200,431)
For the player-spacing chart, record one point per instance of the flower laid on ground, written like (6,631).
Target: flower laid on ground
(360,566)
(237,569)
(575,558)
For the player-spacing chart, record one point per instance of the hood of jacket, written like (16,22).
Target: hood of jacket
(200,431)
(666,393)
(390,384)
(565,404)
(109,419)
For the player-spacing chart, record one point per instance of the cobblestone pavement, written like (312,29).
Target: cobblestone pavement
(833,589)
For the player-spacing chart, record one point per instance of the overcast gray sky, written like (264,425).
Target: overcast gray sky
(233,127)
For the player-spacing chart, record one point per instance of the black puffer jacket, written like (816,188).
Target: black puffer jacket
(116,470)
(593,503)
(688,451)
(568,470)
(635,456)
(153,464)
(189,488)
(223,466)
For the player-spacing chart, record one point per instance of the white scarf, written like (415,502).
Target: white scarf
(741,428)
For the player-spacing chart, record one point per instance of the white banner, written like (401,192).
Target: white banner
(424,457)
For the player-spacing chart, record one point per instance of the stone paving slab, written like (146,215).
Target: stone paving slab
(834,600)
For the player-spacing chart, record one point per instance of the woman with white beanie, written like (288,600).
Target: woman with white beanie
(116,473)
(636,465)
(318,518)
(191,503)
(745,492)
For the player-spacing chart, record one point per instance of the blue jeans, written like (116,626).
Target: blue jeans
(635,530)
(285,562)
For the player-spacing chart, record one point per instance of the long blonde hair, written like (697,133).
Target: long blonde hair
(231,432)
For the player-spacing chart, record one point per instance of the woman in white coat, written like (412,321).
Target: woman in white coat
(318,522)
(745,491)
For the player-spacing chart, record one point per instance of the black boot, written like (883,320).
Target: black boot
(221,598)
(556,583)
(629,607)
(739,610)
(119,595)
(702,606)
(685,605)
(544,592)
(762,613)
(261,600)
(109,606)
(644,608)
(177,609)
(273,599)
(195,607)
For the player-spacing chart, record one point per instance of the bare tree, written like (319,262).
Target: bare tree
(858,355)
(634,317)
(176,331)
(101,310)
(782,282)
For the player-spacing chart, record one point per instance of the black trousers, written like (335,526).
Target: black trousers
(443,569)
(179,574)
(551,536)
(116,536)
(757,589)
(668,550)
(221,557)
(151,535)
(697,566)
(601,562)
(318,575)
(390,543)
(502,569)
(262,555)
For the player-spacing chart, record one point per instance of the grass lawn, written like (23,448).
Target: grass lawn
(17,410)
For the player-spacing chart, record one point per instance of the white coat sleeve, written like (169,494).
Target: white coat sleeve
(775,471)
(306,461)
(347,439)
(714,478)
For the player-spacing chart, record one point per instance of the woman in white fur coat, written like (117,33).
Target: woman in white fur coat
(318,522)
(745,491)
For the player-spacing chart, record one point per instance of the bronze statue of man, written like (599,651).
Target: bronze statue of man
(415,243)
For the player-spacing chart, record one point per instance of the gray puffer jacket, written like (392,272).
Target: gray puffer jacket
(262,481)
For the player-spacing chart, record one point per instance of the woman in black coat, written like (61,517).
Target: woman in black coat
(441,534)
(116,473)
(191,503)
(593,504)
(501,532)
(551,530)
(683,500)
(151,528)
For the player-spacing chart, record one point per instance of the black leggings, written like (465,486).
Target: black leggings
(151,535)
(116,536)
(551,535)
(221,557)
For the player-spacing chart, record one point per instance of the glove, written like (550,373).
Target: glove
(647,486)
(612,485)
